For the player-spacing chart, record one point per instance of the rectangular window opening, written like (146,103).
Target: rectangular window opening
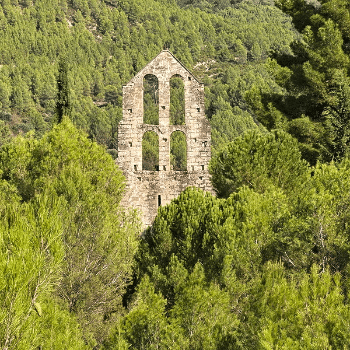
(202,167)
(130,110)
(135,167)
(164,167)
(159,200)
(198,109)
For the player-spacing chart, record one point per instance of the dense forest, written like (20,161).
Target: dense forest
(264,264)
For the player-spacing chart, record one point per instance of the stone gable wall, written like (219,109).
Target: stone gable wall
(147,190)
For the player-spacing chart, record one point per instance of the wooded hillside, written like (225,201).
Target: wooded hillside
(105,43)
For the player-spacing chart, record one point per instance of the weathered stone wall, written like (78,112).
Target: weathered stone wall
(147,190)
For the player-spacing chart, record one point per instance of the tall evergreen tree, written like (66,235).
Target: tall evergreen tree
(63,105)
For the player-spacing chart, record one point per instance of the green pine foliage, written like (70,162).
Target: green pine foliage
(309,313)
(178,151)
(150,100)
(66,245)
(177,101)
(63,94)
(314,104)
(258,160)
(150,151)
(105,43)
(264,267)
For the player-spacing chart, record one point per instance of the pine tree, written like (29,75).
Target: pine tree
(63,105)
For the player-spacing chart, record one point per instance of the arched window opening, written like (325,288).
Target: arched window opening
(177,100)
(150,100)
(178,151)
(150,151)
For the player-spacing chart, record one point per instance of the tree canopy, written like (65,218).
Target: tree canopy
(66,245)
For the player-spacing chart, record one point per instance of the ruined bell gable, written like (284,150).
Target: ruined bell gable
(147,190)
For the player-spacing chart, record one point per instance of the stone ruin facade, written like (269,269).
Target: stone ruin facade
(147,190)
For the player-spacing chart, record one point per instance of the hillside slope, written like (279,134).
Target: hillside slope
(107,42)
